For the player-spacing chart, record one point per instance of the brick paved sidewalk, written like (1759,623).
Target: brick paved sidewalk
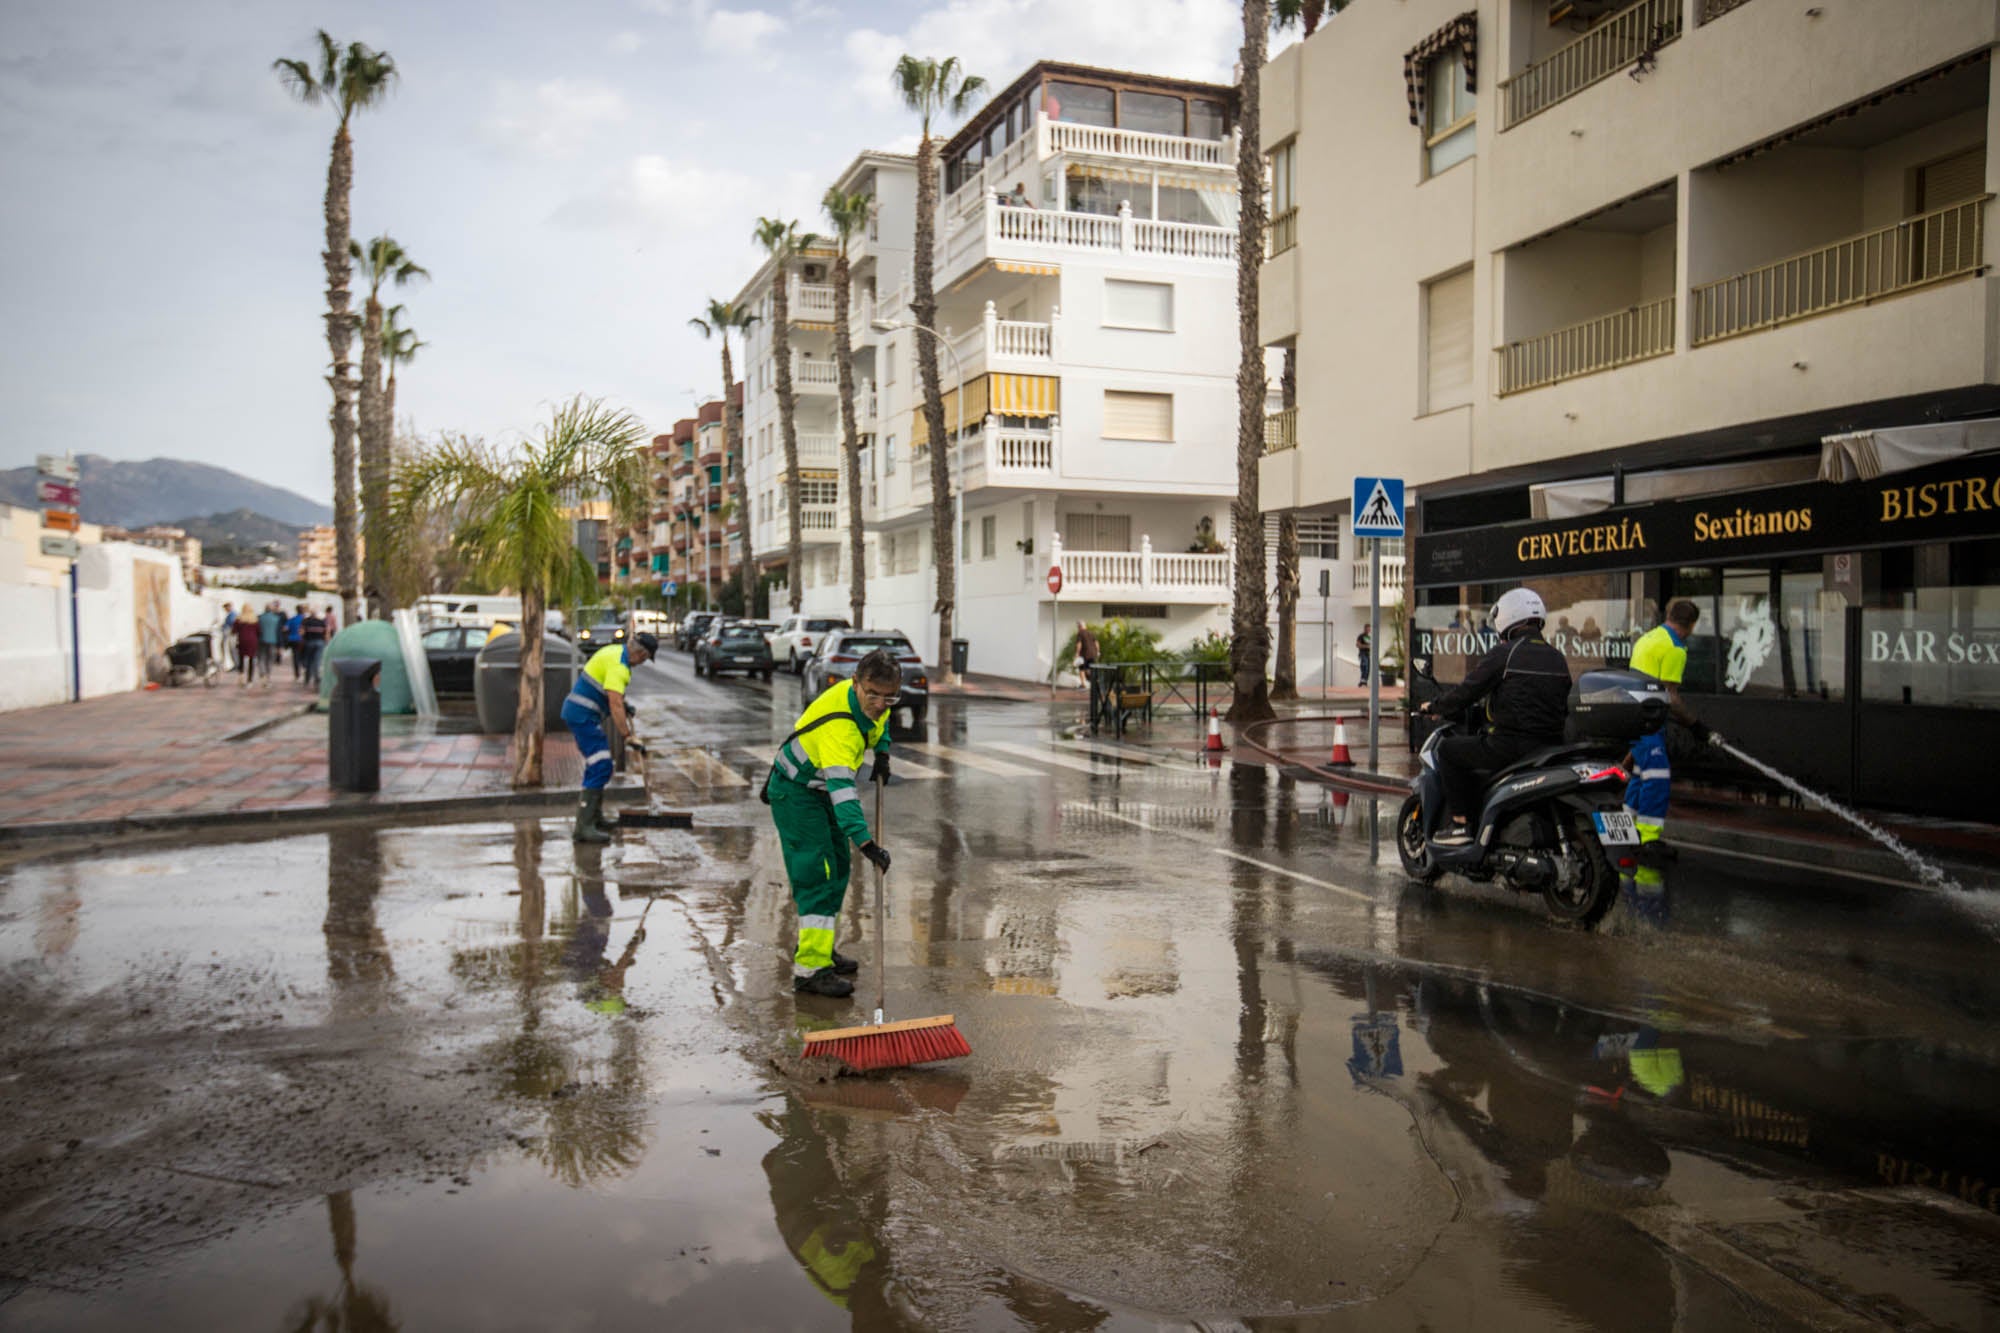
(170,752)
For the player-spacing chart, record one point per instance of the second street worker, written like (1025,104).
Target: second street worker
(841,739)
(599,695)
(1661,652)
(1525,683)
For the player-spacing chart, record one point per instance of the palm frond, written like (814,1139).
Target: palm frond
(297,77)
(329,62)
(967,95)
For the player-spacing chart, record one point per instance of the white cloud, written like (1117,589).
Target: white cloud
(744,33)
(1194,39)
(626,43)
(659,197)
(555,117)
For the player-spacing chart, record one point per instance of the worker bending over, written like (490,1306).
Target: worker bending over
(841,740)
(599,696)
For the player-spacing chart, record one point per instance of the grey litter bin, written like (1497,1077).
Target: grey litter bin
(496,681)
(354,727)
(961,651)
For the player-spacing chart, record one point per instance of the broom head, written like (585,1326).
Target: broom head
(912,1041)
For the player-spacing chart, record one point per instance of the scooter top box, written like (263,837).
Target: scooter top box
(1612,705)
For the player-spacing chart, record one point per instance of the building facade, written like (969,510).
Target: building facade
(1085,275)
(319,558)
(1675,298)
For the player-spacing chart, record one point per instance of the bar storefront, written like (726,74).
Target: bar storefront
(1850,629)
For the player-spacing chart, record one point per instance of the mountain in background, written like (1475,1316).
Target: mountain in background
(241,537)
(133,494)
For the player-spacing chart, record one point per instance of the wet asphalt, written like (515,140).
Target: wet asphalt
(1230,1069)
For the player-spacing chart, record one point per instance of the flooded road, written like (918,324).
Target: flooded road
(1226,1070)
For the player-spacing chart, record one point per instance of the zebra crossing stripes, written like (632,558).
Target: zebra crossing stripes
(997,767)
(1071,761)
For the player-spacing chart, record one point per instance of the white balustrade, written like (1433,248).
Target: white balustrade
(1012,449)
(815,376)
(819,518)
(811,300)
(1148,571)
(1072,231)
(1183,239)
(1017,338)
(1138,145)
(819,450)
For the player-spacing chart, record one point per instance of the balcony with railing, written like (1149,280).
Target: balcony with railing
(1932,247)
(1282,234)
(811,303)
(1004,231)
(1020,160)
(816,375)
(1584,348)
(1281,430)
(1361,580)
(1007,345)
(1145,574)
(1611,45)
(819,518)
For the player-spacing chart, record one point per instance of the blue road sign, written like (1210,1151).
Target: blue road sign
(670,587)
(1378,507)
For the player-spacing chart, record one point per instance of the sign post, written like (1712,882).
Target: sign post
(56,487)
(1055,625)
(1325,634)
(1378,513)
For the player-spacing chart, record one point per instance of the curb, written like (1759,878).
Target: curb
(494,803)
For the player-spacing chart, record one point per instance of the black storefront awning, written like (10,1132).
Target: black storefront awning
(1950,501)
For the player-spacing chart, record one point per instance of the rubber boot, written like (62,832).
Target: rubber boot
(843,965)
(587,827)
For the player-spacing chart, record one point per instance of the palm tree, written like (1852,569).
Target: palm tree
(348,80)
(1249,630)
(783,242)
(932,87)
(399,348)
(723,316)
(849,214)
(509,514)
(382,260)
(1285,678)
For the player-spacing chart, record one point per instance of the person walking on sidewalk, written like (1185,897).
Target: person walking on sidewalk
(1088,650)
(270,633)
(246,645)
(841,740)
(1363,645)
(228,649)
(312,642)
(1661,652)
(293,640)
(599,696)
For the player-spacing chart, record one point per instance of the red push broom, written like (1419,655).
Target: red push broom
(880,1045)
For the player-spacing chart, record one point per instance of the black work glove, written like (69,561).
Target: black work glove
(1701,731)
(881,768)
(877,853)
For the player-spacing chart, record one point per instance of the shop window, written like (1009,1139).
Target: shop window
(1593,619)
(1772,631)
(1079,104)
(1932,638)
(1152,113)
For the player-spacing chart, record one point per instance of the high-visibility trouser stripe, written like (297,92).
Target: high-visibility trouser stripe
(588,705)
(597,768)
(1654,775)
(815,945)
(843,796)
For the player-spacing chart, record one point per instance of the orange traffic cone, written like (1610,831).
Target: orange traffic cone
(1340,800)
(1341,757)
(1214,732)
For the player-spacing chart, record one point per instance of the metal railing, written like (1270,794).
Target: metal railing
(1608,341)
(1597,54)
(1122,691)
(1281,430)
(1715,9)
(1931,247)
(1283,233)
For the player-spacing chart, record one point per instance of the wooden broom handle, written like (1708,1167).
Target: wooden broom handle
(881,934)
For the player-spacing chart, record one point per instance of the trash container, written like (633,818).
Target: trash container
(496,681)
(354,727)
(960,652)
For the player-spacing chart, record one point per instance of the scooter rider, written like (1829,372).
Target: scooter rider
(1525,683)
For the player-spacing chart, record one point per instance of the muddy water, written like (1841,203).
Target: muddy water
(438,1078)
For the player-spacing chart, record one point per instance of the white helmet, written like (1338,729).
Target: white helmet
(1515,606)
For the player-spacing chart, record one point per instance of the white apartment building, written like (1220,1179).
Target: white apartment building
(1664,299)
(1091,322)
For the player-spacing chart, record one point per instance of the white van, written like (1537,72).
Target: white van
(478,610)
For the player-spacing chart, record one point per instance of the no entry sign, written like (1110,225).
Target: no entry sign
(1055,580)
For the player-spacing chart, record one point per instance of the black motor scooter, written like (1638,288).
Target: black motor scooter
(1554,821)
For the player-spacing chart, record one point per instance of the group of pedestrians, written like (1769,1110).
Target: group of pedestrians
(260,638)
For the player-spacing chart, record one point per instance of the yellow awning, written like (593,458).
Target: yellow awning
(1026,395)
(1095,172)
(818,474)
(975,409)
(1031,270)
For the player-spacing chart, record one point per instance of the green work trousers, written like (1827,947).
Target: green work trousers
(817,862)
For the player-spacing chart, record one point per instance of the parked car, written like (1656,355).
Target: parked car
(841,649)
(692,628)
(598,627)
(769,629)
(797,639)
(452,649)
(734,645)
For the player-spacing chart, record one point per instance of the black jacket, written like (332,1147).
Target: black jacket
(1525,684)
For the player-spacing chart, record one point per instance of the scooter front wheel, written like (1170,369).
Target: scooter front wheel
(1587,888)
(1411,845)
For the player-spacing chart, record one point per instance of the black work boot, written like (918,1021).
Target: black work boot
(587,827)
(844,965)
(823,982)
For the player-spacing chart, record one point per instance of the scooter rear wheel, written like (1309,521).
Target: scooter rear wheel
(1584,901)
(1411,845)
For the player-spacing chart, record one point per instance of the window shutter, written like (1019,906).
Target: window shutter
(1952,181)
(1448,342)
(1139,305)
(1138,416)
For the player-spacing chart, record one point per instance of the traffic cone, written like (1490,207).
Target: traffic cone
(1341,757)
(1340,800)
(1214,732)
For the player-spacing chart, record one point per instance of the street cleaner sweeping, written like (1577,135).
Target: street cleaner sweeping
(598,697)
(842,739)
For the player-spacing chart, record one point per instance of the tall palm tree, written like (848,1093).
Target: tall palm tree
(935,88)
(849,214)
(784,242)
(1249,629)
(723,316)
(382,260)
(509,514)
(399,348)
(1285,676)
(348,80)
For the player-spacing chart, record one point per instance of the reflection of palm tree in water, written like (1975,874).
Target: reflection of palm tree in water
(357,1308)
(358,965)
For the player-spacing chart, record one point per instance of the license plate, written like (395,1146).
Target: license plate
(904,717)
(1616,828)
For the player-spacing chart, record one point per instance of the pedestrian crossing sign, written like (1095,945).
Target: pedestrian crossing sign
(1378,507)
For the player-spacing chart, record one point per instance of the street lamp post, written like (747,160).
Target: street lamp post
(957,475)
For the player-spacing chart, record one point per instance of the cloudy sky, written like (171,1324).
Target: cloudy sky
(577,178)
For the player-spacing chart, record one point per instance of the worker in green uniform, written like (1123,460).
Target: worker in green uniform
(840,741)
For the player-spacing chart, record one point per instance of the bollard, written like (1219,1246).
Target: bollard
(354,727)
